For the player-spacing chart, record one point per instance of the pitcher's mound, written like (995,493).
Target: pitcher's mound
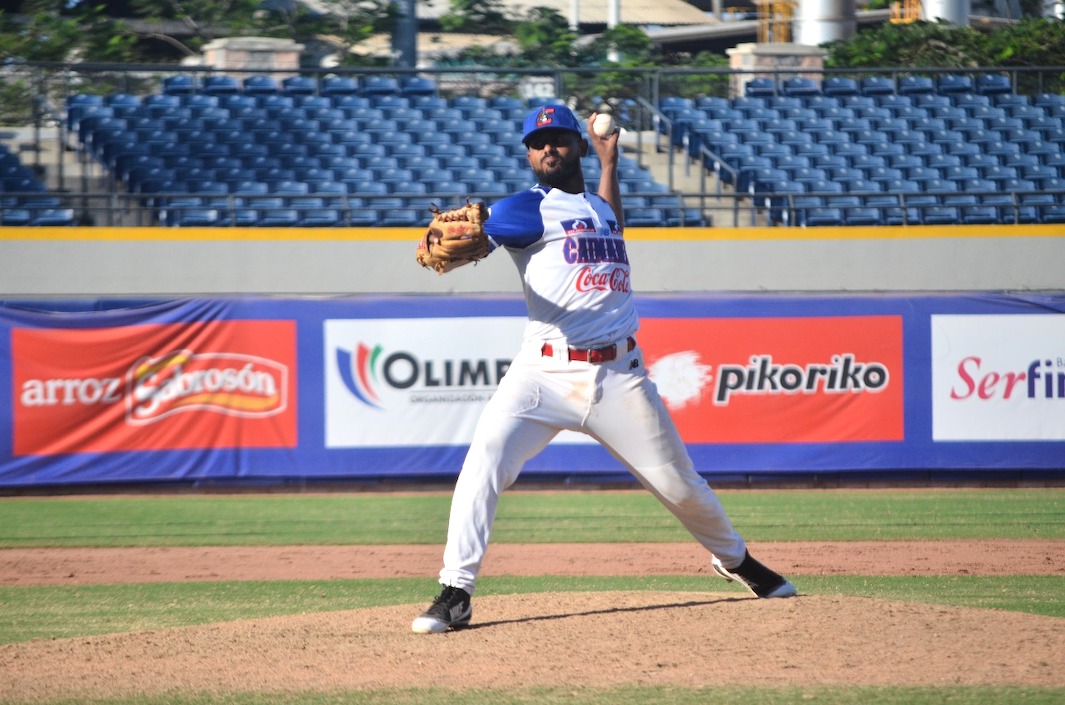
(578,639)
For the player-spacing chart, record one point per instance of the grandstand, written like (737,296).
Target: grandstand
(340,151)
(352,150)
(952,149)
(25,198)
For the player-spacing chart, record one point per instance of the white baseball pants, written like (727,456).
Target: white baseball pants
(615,403)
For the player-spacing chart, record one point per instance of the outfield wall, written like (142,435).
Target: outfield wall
(281,390)
(338,261)
(215,356)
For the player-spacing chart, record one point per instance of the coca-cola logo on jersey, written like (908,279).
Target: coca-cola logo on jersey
(615,279)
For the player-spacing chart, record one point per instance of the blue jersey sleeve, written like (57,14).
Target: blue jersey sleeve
(515,221)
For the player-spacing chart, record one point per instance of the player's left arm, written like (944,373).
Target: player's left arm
(609,185)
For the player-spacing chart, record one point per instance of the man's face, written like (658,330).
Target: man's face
(555,156)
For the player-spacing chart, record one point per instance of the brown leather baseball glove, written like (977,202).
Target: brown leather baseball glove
(455,237)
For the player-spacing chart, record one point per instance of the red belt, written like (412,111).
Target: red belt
(595,356)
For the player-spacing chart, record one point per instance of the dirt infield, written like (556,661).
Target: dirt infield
(79,566)
(578,639)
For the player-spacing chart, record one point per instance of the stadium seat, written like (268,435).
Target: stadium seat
(892,103)
(760,88)
(259,84)
(1054,213)
(948,84)
(876,85)
(865,214)
(644,217)
(220,84)
(417,86)
(784,104)
(14,216)
(892,212)
(338,85)
(914,84)
(376,85)
(778,201)
(993,84)
(313,212)
(180,84)
(52,217)
(401,217)
(836,86)
(299,85)
(798,86)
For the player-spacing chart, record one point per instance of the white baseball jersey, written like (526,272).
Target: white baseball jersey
(574,269)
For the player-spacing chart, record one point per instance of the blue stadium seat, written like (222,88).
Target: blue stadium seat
(218,84)
(838,86)
(259,84)
(947,84)
(760,88)
(645,217)
(1053,213)
(783,104)
(891,211)
(376,85)
(52,217)
(312,211)
(83,105)
(993,84)
(417,86)
(778,201)
(668,103)
(14,216)
(180,84)
(686,218)
(876,85)
(823,216)
(401,217)
(914,84)
(894,103)
(799,86)
(299,85)
(338,85)
(980,215)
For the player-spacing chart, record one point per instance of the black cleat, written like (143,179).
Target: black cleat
(760,580)
(451,610)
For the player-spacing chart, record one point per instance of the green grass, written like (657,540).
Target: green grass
(534,517)
(566,516)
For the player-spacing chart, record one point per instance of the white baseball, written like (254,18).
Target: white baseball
(604,125)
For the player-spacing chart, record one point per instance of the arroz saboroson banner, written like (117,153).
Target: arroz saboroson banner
(268,390)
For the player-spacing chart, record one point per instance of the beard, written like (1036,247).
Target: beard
(559,175)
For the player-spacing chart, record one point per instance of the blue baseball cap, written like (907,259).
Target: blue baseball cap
(550,117)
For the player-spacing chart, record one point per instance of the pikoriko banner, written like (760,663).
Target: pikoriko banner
(268,390)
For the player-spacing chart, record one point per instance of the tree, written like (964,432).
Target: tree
(546,39)
(1030,42)
(202,20)
(482,16)
(41,31)
(343,25)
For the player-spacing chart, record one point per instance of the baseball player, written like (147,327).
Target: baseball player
(579,366)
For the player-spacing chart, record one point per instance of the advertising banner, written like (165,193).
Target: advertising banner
(288,391)
(998,378)
(220,384)
(779,380)
(385,377)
